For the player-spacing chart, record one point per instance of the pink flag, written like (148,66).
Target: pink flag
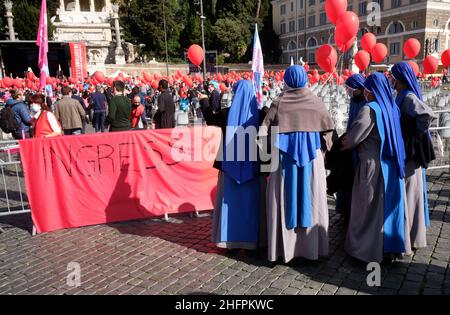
(42,42)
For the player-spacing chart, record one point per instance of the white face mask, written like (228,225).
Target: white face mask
(35,108)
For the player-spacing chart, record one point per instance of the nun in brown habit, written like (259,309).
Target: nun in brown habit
(297,209)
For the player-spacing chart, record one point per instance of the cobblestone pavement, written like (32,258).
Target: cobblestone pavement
(177,257)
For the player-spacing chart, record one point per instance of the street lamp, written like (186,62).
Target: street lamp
(202,18)
(165,37)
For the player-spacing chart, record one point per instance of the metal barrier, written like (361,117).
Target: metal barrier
(13,198)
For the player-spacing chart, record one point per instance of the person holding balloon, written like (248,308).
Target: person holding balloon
(297,209)
(416,118)
(377,227)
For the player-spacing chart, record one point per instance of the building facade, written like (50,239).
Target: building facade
(303,27)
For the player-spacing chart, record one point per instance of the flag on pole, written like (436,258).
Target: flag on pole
(257,68)
(42,42)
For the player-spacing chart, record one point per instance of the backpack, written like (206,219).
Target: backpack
(8,122)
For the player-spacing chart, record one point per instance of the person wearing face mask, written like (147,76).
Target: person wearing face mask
(355,89)
(415,121)
(45,123)
(377,227)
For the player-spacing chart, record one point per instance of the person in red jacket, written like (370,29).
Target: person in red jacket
(137,110)
(44,122)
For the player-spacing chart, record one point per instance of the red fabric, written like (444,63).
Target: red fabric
(136,113)
(43,127)
(78,61)
(75,181)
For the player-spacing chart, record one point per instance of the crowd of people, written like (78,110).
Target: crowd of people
(117,106)
(376,169)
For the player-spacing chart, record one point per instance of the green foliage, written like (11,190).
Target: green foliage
(232,37)
(229,25)
(26,18)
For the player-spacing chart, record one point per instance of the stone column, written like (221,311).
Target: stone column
(77,6)
(92,5)
(62,8)
(10,18)
(119,53)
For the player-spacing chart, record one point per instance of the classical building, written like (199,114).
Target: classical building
(89,21)
(303,26)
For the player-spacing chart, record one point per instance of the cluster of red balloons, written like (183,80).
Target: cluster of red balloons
(347,25)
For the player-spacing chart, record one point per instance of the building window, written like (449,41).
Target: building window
(282,9)
(292,46)
(292,6)
(312,2)
(99,5)
(312,21)
(361,32)
(394,49)
(322,1)
(381,3)
(301,23)
(395,3)
(414,24)
(350,7)
(362,8)
(301,4)
(283,28)
(312,42)
(395,28)
(291,26)
(85,5)
(312,57)
(437,44)
(378,30)
(414,1)
(323,18)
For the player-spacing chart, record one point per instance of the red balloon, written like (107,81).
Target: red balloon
(326,57)
(430,65)
(411,48)
(344,46)
(17,83)
(7,81)
(445,58)
(347,26)
(110,82)
(362,60)
(334,8)
(99,76)
(154,85)
(368,40)
(223,87)
(147,76)
(72,80)
(379,52)
(30,75)
(196,54)
(414,66)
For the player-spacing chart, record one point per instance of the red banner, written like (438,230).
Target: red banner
(75,181)
(78,61)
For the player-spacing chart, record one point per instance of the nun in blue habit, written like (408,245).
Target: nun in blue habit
(239,215)
(377,227)
(415,120)
(297,209)
(355,88)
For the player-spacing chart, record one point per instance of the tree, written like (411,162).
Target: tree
(143,22)
(232,37)
(26,18)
